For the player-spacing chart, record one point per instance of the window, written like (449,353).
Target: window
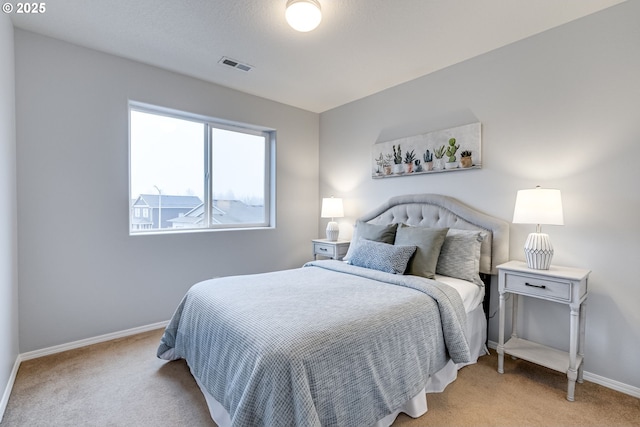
(188,172)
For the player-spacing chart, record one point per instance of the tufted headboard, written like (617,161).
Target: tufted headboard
(435,210)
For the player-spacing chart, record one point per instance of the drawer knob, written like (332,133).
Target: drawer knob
(535,286)
(323,249)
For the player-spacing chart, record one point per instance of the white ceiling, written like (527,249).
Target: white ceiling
(360,47)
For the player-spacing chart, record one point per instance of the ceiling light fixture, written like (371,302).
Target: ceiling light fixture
(303,15)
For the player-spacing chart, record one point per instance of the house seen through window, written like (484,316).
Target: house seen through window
(188,172)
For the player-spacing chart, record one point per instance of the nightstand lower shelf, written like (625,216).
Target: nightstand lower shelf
(540,354)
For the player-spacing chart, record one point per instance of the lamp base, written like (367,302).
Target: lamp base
(332,231)
(538,251)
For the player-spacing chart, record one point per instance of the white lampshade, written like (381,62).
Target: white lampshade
(538,206)
(332,208)
(303,15)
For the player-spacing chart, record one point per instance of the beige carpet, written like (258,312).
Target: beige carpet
(122,383)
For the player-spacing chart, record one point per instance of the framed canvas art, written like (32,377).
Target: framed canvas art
(448,150)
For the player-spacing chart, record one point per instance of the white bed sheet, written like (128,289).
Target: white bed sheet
(472,294)
(472,297)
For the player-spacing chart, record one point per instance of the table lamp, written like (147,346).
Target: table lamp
(538,206)
(332,208)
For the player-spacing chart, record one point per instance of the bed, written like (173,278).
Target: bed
(347,343)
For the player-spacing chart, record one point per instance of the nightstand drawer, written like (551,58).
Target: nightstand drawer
(335,249)
(534,286)
(324,249)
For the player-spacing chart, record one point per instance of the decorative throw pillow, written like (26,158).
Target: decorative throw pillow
(460,255)
(428,242)
(375,232)
(381,256)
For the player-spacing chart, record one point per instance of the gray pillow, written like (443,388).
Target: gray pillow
(381,256)
(375,232)
(428,242)
(460,255)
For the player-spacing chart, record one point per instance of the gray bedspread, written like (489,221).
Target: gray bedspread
(328,344)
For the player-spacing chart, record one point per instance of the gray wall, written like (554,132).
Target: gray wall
(8,227)
(560,110)
(81,274)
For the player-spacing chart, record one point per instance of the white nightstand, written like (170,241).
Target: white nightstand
(560,284)
(336,249)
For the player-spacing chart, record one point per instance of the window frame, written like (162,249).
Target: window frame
(209,125)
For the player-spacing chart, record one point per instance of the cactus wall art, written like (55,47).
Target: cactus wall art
(447,150)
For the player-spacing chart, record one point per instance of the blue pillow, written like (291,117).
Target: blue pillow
(381,256)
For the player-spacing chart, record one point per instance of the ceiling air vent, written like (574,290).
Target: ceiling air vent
(234,64)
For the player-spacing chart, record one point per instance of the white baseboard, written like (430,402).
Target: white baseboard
(88,341)
(597,379)
(612,384)
(9,387)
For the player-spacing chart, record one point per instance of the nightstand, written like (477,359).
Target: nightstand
(336,249)
(559,284)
